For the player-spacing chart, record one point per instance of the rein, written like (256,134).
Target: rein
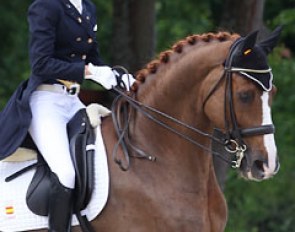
(122,131)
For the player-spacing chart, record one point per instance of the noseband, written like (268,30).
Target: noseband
(231,140)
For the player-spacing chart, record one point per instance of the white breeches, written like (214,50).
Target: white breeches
(51,112)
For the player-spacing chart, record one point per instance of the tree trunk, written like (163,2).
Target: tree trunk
(133,41)
(242,16)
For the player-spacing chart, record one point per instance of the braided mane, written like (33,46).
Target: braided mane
(177,48)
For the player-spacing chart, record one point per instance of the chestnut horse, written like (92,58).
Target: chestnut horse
(204,82)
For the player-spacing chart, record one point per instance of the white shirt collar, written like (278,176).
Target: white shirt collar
(77,4)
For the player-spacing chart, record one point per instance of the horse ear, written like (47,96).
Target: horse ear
(269,43)
(248,42)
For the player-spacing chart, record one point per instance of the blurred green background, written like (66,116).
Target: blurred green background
(253,207)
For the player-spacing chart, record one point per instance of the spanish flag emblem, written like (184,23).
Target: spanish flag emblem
(9,210)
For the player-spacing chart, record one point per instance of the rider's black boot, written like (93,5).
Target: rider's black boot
(60,207)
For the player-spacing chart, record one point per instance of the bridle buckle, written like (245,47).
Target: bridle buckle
(238,151)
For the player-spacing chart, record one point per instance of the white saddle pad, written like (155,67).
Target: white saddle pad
(14,213)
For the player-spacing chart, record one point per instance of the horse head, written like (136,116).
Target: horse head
(247,90)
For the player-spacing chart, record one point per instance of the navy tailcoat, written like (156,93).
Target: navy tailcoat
(62,41)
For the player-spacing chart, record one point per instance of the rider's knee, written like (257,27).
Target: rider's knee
(66,177)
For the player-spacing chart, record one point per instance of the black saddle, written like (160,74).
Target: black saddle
(82,141)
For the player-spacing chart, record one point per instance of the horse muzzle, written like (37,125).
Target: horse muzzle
(258,168)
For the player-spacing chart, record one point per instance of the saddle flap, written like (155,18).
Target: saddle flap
(81,136)
(38,191)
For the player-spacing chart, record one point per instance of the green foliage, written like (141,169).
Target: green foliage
(14,43)
(287,19)
(104,23)
(282,13)
(274,7)
(177,19)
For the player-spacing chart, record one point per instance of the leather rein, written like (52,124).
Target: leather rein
(231,140)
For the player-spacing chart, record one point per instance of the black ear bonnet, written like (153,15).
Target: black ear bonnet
(250,58)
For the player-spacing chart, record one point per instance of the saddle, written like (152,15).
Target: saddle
(82,148)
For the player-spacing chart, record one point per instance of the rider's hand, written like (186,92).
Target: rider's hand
(102,75)
(125,81)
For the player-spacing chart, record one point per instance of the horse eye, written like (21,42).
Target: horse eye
(246,96)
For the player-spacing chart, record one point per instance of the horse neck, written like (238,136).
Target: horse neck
(175,89)
(174,86)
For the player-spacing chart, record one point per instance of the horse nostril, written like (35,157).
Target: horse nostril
(259,164)
(258,169)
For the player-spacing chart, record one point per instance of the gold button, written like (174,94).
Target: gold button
(79,19)
(73,55)
(84,57)
(90,40)
(78,39)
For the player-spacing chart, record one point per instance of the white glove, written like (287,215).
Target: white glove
(127,79)
(102,75)
(95,112)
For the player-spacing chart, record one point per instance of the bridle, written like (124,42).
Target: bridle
(233,137)
(231,140)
